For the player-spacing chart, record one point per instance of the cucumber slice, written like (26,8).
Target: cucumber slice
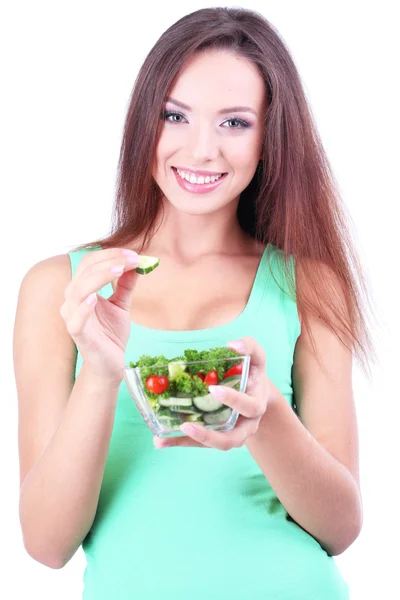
(175,369)
(173,401)
(147,264)
(164,412)
(232,382)
(185,410)
(195,418)
(233,378)
(207,403)
(170,421)
(219,416)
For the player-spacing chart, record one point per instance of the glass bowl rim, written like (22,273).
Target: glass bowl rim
(186,362)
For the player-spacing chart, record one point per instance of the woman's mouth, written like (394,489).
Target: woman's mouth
(197,188)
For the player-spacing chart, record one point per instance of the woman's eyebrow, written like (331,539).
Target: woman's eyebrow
(220,112)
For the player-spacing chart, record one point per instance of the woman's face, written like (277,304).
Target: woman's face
(209,134)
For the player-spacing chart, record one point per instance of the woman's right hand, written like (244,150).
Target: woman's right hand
(100,329)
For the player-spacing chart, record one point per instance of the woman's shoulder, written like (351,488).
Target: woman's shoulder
(58,269)
(41,295)
(49,271)
(52,274)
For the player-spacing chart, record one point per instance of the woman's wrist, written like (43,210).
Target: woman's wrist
(101,381)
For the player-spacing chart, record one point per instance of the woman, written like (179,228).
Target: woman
(258,254)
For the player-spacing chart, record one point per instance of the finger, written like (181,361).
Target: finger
(75,323)
(243,429)
(98,256)
(122,296)
(213,439)
(93,278)
(161,442)
(246,405)
(249,345)
(205,438)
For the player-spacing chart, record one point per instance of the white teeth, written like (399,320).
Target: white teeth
(198,180)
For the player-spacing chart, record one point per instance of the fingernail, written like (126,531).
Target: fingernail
(91,299)
(159,443)
(133,260)
(217,390)
(127,252)
(132,257)
(237,345)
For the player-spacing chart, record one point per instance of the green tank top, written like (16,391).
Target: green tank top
(198,523)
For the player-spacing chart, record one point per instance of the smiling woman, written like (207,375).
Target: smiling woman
(224,186)
(208,134)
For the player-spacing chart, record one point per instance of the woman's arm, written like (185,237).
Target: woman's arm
(64,428)
(311,461)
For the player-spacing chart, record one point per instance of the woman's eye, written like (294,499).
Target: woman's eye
(168,114)
(241,124)
(175,117)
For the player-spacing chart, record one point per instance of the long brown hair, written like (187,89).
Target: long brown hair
(293,200)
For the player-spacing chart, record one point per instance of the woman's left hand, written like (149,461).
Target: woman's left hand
(251,406)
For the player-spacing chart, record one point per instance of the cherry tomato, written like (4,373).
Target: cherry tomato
(157,384)
(235,370)
(202,377)
(211,378)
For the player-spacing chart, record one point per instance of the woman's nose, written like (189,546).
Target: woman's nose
(203,145)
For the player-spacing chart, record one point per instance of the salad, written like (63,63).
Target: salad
(177,389)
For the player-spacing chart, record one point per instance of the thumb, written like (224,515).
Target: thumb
(122,296)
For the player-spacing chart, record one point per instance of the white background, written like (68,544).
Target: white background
(67,73)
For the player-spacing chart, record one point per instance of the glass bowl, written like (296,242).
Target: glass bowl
(176,392)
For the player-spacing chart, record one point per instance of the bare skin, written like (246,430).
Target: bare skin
(158,305)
